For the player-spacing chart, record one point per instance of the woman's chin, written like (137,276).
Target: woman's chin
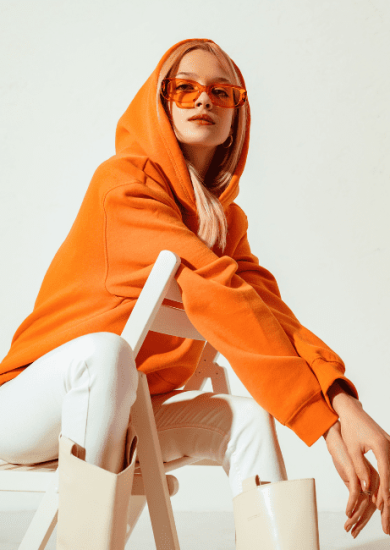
(201,141)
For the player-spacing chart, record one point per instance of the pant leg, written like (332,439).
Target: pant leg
(84,388)
(233,430)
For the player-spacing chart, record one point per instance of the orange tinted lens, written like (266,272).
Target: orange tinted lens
(183,93)
(225,96)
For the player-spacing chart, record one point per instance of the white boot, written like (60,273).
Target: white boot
(276,516)
(93,502)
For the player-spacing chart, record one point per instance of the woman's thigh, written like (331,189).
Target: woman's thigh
(193,423)
(30,412)
(79,380)
(232,430)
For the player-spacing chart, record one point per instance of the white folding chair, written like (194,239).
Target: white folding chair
(151,484)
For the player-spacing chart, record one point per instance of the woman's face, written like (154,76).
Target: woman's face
(203,67)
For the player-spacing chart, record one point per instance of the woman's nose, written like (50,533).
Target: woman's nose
(203,99)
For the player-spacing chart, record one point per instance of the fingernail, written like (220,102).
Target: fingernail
(364,484)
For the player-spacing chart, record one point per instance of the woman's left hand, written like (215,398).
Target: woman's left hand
(361,434)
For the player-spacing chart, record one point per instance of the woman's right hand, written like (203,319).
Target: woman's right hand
(360,505)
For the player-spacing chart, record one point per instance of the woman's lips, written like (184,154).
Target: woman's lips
(202,122)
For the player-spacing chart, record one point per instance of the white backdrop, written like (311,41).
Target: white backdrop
(315,187)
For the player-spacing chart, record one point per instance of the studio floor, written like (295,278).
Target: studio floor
(208,530)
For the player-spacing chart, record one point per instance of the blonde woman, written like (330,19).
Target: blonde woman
(181,148)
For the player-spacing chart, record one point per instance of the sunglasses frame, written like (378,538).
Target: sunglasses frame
(207,89)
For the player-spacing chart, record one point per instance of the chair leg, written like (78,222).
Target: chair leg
(44,521)
(152,469)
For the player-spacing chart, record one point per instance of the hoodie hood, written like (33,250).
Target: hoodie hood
(143,131)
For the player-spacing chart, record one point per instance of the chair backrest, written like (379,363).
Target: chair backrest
(149,313)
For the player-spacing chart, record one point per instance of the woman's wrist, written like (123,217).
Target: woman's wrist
(339,398)
(333,426)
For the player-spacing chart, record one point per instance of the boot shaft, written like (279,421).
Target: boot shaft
(93,502)
(281,515)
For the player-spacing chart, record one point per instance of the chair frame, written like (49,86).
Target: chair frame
(151,485)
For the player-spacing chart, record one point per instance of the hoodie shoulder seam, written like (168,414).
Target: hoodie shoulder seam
(105,229)
(133,181)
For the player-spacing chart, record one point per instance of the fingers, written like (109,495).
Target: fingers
(383,504)
(366,505)
(383,469)
(354,493)
(385,513)
(383,497)
(361,516)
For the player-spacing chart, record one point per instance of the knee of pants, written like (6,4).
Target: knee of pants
(109,356)
(251,415)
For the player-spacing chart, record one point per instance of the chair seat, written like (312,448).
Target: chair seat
(52,465)
(183,461)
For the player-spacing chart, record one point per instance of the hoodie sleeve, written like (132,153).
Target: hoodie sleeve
(325,363)
(140,221)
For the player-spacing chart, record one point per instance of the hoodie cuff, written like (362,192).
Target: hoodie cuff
(328,372)
(312,420)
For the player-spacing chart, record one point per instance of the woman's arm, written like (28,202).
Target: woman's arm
(355,433)
(326,365)
(142,220)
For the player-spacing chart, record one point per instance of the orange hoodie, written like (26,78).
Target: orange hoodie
(139,202)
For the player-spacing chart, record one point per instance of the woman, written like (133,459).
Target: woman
(171,185)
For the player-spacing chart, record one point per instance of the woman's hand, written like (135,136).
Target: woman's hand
(361,434)
(360,508)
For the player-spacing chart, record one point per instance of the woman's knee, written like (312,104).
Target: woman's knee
(109,354)
(253,415)
(100,342)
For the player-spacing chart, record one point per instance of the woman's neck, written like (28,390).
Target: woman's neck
(200,157)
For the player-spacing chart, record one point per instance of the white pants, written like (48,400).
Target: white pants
(85,389)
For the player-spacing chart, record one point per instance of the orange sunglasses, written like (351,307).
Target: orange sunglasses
(185,92)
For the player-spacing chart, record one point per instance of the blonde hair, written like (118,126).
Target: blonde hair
(211,216)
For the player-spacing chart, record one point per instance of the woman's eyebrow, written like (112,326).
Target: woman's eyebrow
(196,76)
